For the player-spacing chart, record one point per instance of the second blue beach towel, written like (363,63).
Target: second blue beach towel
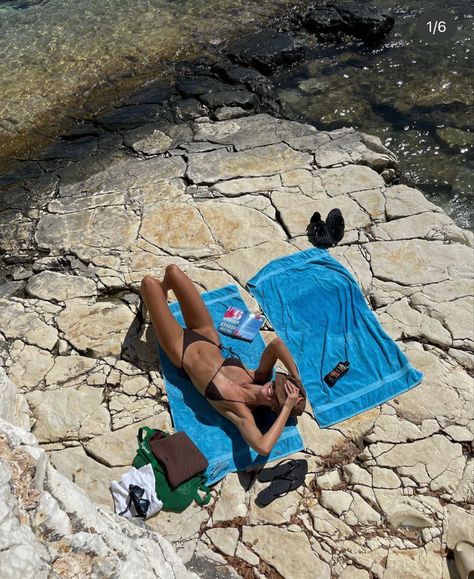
(317,308)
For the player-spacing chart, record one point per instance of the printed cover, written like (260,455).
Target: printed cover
(240,324)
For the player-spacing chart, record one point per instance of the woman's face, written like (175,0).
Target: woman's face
(267,396)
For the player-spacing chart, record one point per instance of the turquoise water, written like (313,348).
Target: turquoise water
(416,96)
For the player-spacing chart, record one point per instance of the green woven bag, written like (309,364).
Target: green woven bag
(174,499)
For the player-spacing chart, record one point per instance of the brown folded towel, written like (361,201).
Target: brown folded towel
(180,458)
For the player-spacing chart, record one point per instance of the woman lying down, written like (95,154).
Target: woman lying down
(231,388)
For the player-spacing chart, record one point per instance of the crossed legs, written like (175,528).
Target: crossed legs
(196,315)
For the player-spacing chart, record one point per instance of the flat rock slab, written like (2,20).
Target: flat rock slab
(69,414)
(218,165)
(97,330)
(295,560)
(60,287)
(419,261)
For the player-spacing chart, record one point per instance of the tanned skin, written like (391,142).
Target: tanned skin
(251,388)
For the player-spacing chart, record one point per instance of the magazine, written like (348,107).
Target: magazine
(240,324)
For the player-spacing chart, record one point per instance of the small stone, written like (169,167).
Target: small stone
(328,480)
(242,552)
(355,475)
(224,539)
(384,478)
(337,501)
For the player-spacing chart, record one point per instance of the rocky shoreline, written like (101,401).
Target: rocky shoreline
(205,174)
(388,492)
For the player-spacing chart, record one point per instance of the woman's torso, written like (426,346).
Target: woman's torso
(203,363)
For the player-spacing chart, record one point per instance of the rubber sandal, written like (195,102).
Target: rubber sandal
(281,486)
(280,469)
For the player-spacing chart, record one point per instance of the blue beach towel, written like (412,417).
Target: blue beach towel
(317,308)
(217,438)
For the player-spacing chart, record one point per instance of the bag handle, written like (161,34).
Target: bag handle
(141,430)
(201,501)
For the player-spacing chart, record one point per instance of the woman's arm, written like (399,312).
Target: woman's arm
(276,350)
(263,443)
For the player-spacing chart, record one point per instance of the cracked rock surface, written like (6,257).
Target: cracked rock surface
(388,492)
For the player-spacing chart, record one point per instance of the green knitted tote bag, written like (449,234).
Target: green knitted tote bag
(174,499)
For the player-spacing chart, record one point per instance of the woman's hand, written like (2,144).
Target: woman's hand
(292,395)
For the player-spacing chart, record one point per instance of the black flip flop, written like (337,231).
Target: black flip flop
(284,484)
(281,468)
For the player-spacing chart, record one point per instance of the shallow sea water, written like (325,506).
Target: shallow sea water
(55,54)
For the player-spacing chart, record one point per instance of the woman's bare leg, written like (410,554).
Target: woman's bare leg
(167,329)
(195,313)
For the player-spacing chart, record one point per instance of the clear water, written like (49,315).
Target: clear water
(56,54)
(417,97)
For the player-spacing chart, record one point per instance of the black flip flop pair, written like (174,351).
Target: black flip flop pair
(326,233)
(286,476)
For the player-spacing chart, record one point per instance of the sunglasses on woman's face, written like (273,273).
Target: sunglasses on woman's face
(141,505)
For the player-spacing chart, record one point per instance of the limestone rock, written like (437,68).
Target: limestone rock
(419,261)
(177,228)
(30,365)
(118,448)
(254,131)
(352,572)
(338,502)
(215,166)
(224,539)
(68,414)
(19,323)
(355,475)
(179,526)
(349,179)
(459,525)
(247,185)
(69,368)
(103,227)
(49,285)
(403,201)
(414,563)
(231,502)
(327,524)
(244,263)
(296,212)
(98,329)
(296,559)
(239,227)
(328,480)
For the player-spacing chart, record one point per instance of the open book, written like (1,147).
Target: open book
(240,324)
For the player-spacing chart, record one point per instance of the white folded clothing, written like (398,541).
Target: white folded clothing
(145,479)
